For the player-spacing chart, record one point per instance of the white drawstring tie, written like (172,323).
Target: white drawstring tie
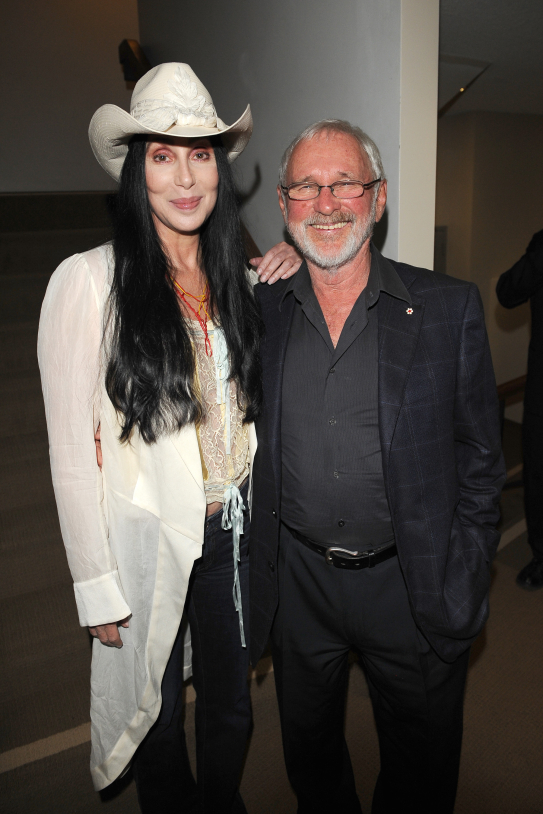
(232,518)
(232,506)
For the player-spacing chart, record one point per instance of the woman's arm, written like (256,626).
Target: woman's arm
(107,634)
(69,345)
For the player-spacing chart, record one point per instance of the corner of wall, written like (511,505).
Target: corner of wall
(418,130)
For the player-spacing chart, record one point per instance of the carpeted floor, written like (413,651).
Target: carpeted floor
(45,655)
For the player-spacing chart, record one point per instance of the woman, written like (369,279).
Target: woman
(152,344)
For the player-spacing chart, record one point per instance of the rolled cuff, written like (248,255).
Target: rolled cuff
(100,601)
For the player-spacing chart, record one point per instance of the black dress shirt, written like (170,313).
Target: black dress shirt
(332,478)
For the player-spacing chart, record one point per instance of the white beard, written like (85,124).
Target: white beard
(359,232)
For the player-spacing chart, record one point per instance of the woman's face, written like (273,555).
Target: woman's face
(182,183)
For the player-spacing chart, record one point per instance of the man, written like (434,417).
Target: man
(524,281)
(376,485)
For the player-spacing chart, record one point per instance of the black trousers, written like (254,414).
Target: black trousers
(417,698)
(532,449)
(161,765)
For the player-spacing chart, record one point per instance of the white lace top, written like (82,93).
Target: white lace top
(223,439)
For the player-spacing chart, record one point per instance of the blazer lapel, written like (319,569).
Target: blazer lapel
(274,347)
(399,330)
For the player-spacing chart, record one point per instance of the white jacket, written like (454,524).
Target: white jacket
(132,531)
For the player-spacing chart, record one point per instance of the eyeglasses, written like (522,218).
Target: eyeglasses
(339,189)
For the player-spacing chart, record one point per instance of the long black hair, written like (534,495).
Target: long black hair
(150,374)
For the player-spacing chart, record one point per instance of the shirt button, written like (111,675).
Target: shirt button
(271,566)
(274,513)
(336,474)
(332,421)
(332,370)
(341,523)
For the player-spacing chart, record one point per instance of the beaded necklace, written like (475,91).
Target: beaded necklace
(201,300)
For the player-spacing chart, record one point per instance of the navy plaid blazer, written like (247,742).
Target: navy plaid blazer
(440,441)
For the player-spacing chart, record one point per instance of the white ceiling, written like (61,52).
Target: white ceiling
(506,33)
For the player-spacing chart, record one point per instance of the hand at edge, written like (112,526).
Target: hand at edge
(279,263)
(109,634)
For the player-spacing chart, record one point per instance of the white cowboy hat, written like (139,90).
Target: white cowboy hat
(168,100)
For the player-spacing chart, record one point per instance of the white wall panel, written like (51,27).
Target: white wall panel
(295,62)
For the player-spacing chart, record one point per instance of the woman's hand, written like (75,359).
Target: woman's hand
(281,262)
(109,634)
(98,446)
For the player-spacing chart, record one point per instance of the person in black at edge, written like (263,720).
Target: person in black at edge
(524,281)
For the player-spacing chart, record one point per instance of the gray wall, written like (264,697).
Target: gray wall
(294,61)
(58,64)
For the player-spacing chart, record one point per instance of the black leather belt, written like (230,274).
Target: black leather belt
(343,558)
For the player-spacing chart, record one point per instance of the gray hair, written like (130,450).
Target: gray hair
(335,126)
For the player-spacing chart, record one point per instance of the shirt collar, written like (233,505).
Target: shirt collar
(383,277)
(299,284)
(387,278)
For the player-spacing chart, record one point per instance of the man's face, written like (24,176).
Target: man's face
(328,231)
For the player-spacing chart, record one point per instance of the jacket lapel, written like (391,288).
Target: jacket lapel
(277,318)
(398,337)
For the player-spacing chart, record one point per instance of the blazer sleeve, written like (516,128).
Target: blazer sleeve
(525,278)
(69,347)
(479,460)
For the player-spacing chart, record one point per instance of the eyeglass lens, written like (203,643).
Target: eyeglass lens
(341,189)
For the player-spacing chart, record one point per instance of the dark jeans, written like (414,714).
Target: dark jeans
(223,710)
(417,698)
(532,449)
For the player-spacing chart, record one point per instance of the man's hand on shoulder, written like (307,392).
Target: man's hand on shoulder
(279,263)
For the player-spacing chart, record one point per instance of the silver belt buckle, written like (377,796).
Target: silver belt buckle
(328,556)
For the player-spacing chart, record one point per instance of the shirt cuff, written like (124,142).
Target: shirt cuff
(100,601)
